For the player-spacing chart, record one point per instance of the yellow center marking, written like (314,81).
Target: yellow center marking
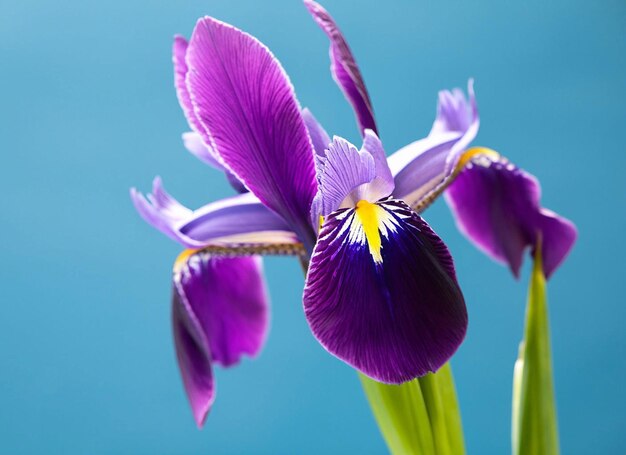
(368,214)
(471,153)
(183,257)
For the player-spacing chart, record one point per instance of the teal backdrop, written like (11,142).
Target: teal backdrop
(87,110)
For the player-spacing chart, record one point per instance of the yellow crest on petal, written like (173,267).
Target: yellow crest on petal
(369,215)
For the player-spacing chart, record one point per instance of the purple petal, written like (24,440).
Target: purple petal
(219,313)
(381,293)
(497,206)
(342,169)
(250,115)
(193,141)
(240,219)
(558,237)
(347,175)
(421,167)
(179,52)
(319,136)
(344,69)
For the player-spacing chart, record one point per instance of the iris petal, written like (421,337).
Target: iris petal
(347,175)
(235,220)
(421,167)
(179,52)
(319,136)
(392,310)
(219,313)
(344,69)
(250,115)
(497,206)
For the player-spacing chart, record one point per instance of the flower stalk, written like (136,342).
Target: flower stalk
(420,416)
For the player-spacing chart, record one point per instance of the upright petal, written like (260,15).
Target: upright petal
(381,292)
(319,136)
(250,115)
(239,219)
(347,175)
(220,312)
(497,206)
(344,68)
(179,53)
(421,167)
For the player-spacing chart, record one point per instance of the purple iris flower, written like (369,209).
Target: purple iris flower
(497,206)
(381,292)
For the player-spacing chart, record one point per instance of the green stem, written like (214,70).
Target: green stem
(419,417)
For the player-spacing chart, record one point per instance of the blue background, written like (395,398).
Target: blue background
(88,109)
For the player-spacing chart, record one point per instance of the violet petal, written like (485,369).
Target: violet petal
(344,68)
(235,220)
(497,206)
(384,300)
(347,175)
(319,136)
(219,312)
(250,115)
(422,166)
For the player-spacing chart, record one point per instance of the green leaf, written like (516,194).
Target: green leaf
(419,417)
(534,423)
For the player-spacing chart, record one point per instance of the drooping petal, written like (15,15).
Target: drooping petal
(347,175)
(497,206)
(558,236)
(237,220)
(194,359)
(381,292)
(319,136)
(421,167)
(250,115)
(219,312)
(344,68)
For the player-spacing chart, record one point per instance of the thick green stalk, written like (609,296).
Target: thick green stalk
(449,407)
(420,417)
(534,421)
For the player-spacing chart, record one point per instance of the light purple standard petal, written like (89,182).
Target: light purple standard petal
(347,175)
(497,206)
(344,68)
(319,136)
(219,313)
(235,220)
(249,113)
(423,166)
(384,300)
